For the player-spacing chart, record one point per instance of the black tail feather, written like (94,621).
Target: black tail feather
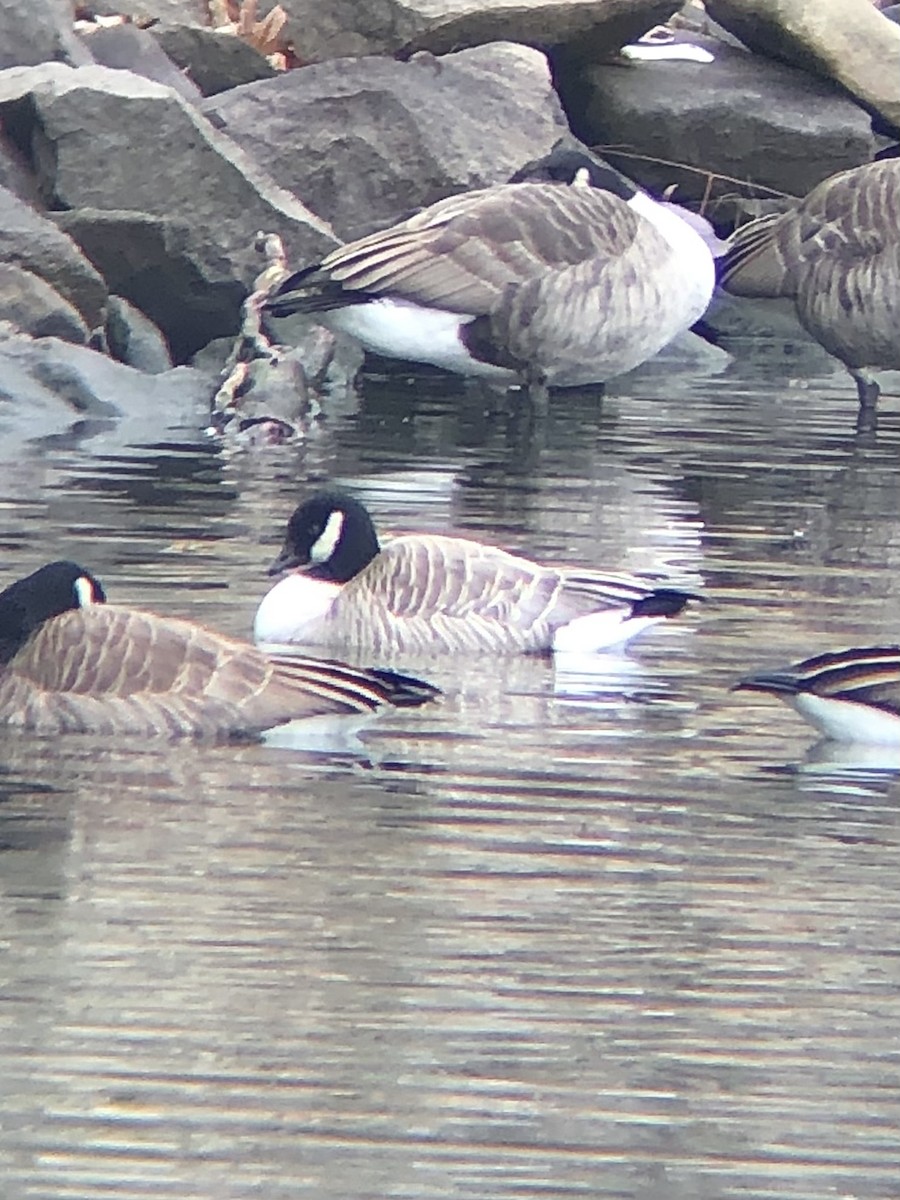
(663,602)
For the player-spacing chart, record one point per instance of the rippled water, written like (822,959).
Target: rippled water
(610,934)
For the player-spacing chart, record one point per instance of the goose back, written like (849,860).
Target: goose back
(567,284)
(121,671)
(838,255)
(431,592)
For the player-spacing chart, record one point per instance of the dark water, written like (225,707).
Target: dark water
(621,934)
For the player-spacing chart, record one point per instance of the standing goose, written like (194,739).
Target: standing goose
(427,592)
(539,281)
(71,664)
(849,696)
(837,256)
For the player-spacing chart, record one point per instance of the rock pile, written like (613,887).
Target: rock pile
(146,144)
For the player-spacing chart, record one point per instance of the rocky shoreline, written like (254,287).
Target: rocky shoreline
(147,143)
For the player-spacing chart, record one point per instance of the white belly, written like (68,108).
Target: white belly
(399,329)
(290,612)
(845,721)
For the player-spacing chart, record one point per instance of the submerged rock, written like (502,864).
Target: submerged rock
(50,386)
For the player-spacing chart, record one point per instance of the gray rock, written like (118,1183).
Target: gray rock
(743,118)
(155,263)
(214,61)
(33,242)
(34,31)
(15,176)
(33,307)
(845,40)
(110,140)
(366,140)
(323,29)
(132,338)
(46,385)
(128,48)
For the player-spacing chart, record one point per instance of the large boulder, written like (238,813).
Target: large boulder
(34,243)
(747,126)
(35,31)
(105,140)
(849,41)
(364,141)
(322,29)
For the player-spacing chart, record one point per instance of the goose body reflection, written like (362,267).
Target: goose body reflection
(70,663)
(430,592)
(848,695)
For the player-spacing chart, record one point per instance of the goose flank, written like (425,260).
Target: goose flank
(564,277)
(69,663)
(848,695)
(422,593)
(837,256)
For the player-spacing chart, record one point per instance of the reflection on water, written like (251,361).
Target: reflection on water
(600,930)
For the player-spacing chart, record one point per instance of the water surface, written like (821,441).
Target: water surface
(610,933)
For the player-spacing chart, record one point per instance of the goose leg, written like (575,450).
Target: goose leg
(868,391)
(538,395)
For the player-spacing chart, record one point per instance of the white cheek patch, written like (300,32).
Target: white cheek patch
(326,543)
(85,591)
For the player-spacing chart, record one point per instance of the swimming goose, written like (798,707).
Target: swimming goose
(849,696)
(428,592)
(71,664)
(565,277)
(837,255)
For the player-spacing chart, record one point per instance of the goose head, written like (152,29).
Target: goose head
(48,592)
(569,165)
(329,536)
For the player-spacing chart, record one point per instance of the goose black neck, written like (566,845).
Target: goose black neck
(26,604)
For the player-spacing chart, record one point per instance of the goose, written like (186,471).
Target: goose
(837,256)
(565,276)
(70,663)
(423,593)
(848,695)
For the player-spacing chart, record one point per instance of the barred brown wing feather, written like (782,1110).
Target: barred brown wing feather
(109,670)
(867,676)
(427,590)
(474,247)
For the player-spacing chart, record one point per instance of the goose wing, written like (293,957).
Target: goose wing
(422,591)
(106,669)
(462,253)
(839,231)
(870,675)
(754,263)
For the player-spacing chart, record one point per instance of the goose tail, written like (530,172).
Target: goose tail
(753,265)
(405,691)
(663,602)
